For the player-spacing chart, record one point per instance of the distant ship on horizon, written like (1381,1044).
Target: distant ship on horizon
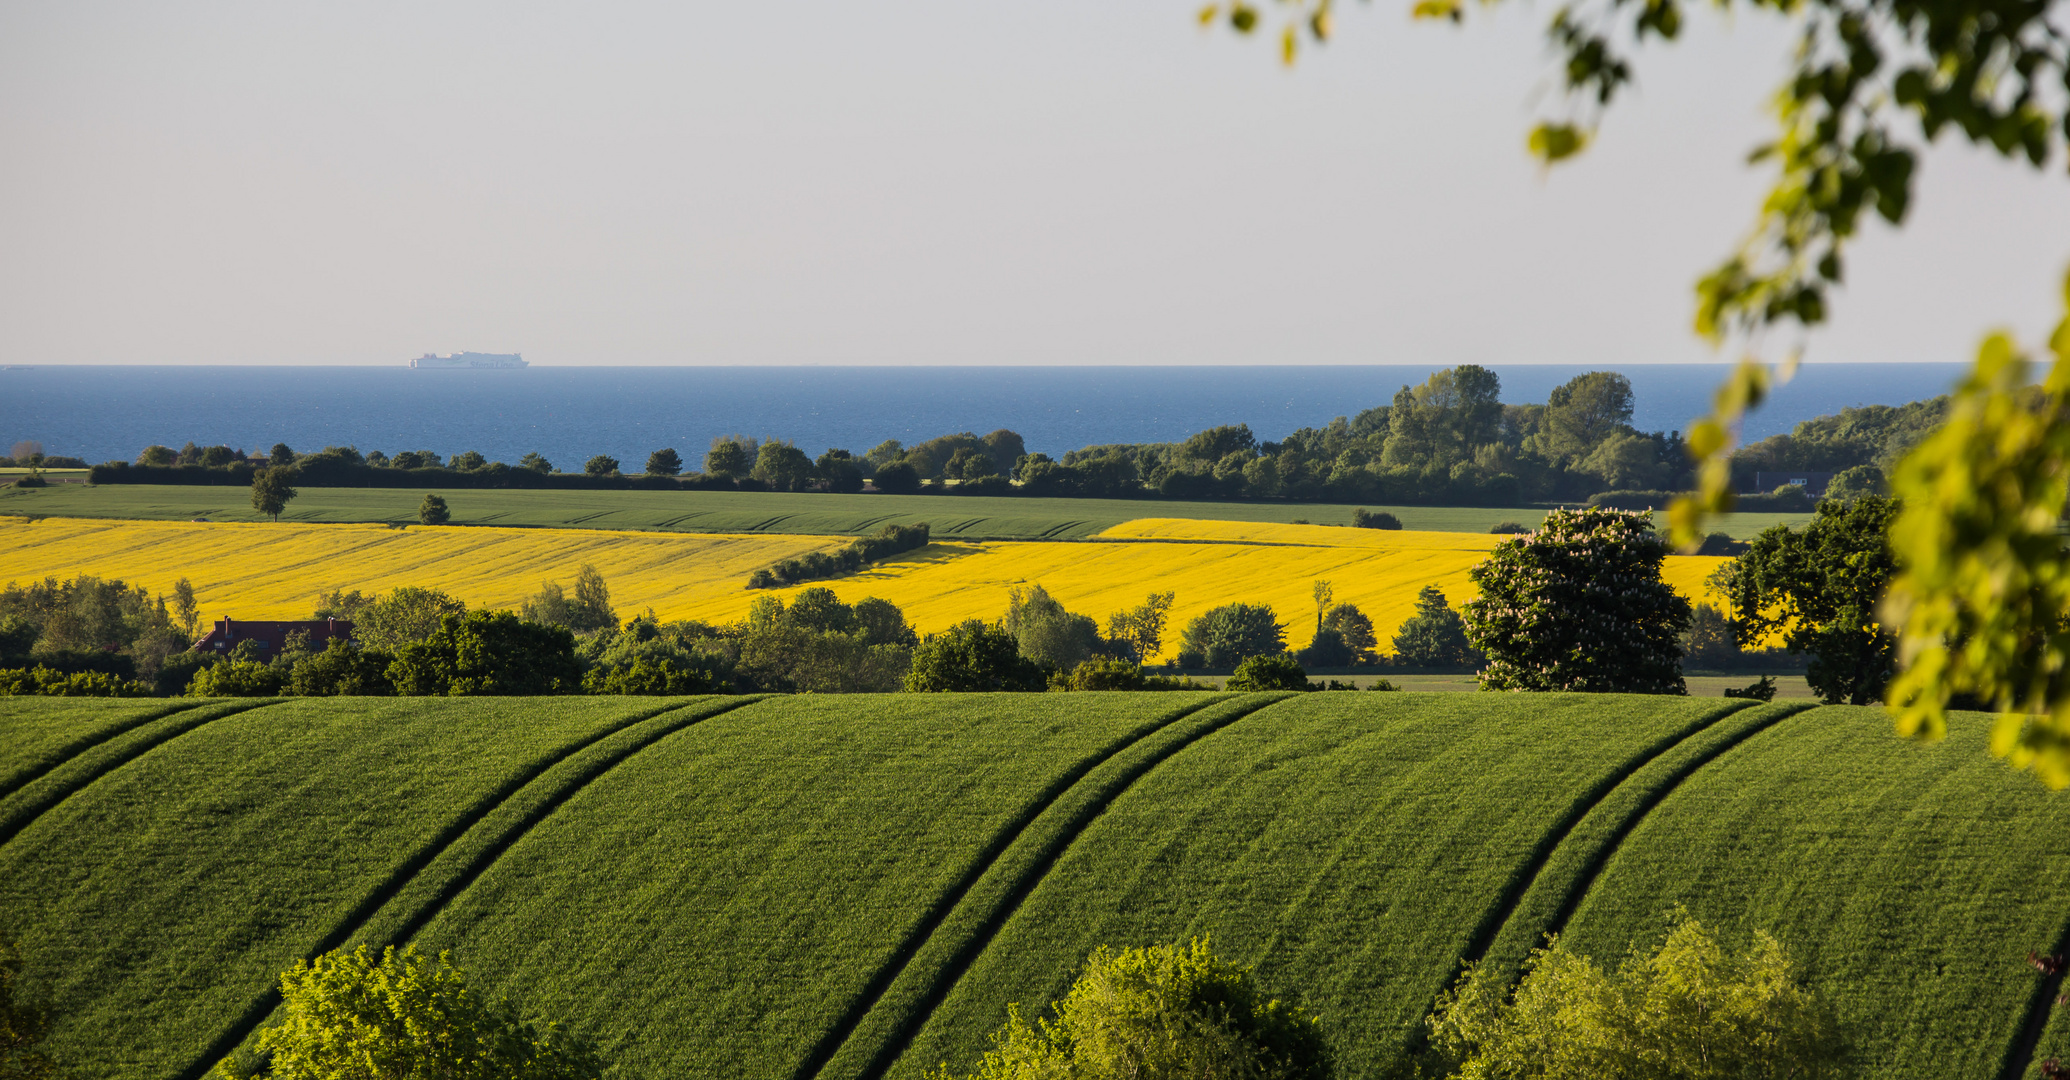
(470,360)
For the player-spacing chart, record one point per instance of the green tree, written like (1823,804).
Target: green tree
(1435,636)
(1276,672)
(487,653)
(1228,635)
(1356,630)
(1046,633)
(664,462)
(1322,592)
(821,645)
(1819,588)
(1854,482)
(433,510)
(592,607)
(535,462)
(237,677)
(1441,422)
(970,657)
(272,489)
(782,466)
(601,465)
(343,669)
(470,461)
(160,456)
(1141,627)
(185,609)
(1166,1012)
(1579,605)
(281,457)
(1712,640)
(23,1026)
(405,616)
(730,457)
(1583,412)
(840,471)
(897,478)
(1688,1008)
(352,1016)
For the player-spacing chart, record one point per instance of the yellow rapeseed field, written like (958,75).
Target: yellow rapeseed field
(274,571)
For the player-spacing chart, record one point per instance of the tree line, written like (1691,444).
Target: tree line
(1450,440)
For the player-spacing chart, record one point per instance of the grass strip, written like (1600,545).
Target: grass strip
(875,1034)
(20,809)
(33,757)
(478,836)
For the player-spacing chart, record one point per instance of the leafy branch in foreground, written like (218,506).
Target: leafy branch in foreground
(890,540)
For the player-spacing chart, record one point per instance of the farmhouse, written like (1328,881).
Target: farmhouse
(272,636)
(1813,483)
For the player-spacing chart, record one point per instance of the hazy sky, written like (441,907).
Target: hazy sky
(1053,182)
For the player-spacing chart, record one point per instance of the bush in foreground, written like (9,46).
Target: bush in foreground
(1279,672)
(351,1016)
(1687,1009)
(1168,1012)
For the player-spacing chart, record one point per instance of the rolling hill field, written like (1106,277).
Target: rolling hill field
(827,887)
(277,571)
(952,516)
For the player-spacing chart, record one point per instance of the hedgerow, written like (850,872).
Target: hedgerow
(43,682)
(813,565)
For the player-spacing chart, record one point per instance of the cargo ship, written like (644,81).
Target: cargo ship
(470,360)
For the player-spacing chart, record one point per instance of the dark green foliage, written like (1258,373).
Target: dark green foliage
(664,462)
(1509,528)
(433,510)
(343,669)
(1356,630)
(535,462)
(1228,635)
(1275,672)
(178,670)
(1819,587)
(22,1025)
(1100,673)
(1852,484)
(1166,1012)
(782,466)
(729,458)
(1361,518)
(487,652)
(1047,634)
(471,461)
(1711,640)
(601,465)
(972,656)
(1326,650)
(1579,605)
(406,615)
(821,645)
(814,566)
(86,624)
(897,478)
(839,472)
(1872,435)
(44,682)
(1435,636)
(349,1014)
(1762,689)
(649,657)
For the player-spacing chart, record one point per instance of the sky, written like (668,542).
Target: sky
(929,182)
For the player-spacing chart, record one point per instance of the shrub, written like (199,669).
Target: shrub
(1688,1008)
(972,656)
(1100,673)
(1228,635)
(897,478)
(1328,649)
(1579,605)
(1509,528)
(237,678)
(663,675)
(41,681)
(1276,672)
(1361,518)
(342,670)
(487,652)
(1167,1012)
(433,511)
(1046,633)
(1760,690)
(348,1015)
(1435,636)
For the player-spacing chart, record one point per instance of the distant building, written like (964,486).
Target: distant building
(1813,483)
(272,636)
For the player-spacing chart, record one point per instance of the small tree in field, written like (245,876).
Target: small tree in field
(1168,1012)
(351,1015)
(1579,605)
(433,511)
(1435,636)
(272,489)
(665,462)
(1279,672)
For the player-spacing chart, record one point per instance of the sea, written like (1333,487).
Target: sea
(569,414)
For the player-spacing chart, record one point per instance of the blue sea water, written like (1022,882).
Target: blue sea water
(101,413)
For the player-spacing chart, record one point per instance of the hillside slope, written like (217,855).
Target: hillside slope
(834,887)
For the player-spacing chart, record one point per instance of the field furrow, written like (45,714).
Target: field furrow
(867,1044)
(43,733)
(1348,845)
(1909,879)
(717,904)
(156,903)
(416,888)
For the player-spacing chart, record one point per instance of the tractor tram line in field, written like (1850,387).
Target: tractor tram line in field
(944,957)
(1546,893)
(57,756)
(556,790)
(21,808)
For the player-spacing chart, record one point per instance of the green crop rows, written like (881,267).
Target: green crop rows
(964,517)
(829,887)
